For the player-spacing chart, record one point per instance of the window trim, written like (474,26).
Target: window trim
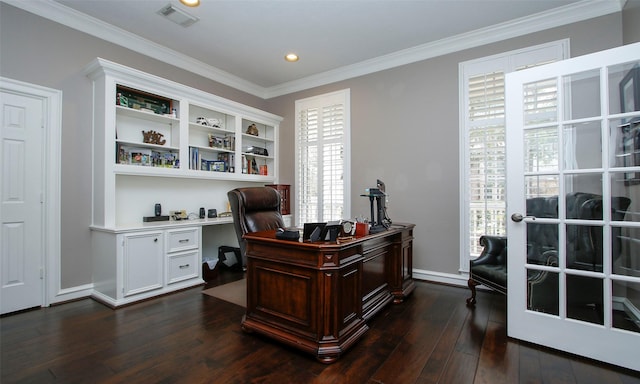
(467,69)
(342,96)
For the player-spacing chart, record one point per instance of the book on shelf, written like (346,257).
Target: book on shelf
(194,158)
(249,165)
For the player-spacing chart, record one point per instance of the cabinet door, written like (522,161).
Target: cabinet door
(143,261)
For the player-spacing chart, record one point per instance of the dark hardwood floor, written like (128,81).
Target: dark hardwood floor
(188,337)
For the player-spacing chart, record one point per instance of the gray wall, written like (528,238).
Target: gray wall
(630,24)
(39,51)
(404,126)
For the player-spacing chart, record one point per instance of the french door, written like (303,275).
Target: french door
(573,201)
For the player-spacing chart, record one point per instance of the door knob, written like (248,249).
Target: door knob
(517,217)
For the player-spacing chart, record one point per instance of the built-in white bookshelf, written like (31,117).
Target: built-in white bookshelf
(159,142)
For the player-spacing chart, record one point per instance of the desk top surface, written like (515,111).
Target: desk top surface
(270,237)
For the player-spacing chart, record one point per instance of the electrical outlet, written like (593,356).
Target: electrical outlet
(178,215)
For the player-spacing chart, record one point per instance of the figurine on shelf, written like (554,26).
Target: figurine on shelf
(153,137)
(252,130)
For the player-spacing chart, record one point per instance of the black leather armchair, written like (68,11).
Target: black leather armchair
(490,268)
(584,250)
(254,209)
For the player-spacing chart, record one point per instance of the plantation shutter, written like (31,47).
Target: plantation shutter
(487,170)
(483,199)
(322,128)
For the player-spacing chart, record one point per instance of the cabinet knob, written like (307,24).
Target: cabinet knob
(183,241)
(155,240)
(184,266)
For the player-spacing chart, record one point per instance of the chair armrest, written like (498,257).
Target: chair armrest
(494,252)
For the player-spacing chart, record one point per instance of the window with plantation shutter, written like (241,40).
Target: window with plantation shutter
(482,130)
(322,158)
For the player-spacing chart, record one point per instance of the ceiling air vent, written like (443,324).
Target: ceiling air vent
(178,16)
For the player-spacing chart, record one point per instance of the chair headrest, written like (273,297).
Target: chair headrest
(259,198)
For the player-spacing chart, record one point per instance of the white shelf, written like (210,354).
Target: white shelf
(144,115)
(208,129)
(164,148)
(249,137)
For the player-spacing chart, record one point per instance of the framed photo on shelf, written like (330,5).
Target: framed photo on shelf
(631,150)
(630,91)
(139,156)
(218,166)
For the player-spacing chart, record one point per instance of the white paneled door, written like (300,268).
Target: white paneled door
(21,202)
(573,201)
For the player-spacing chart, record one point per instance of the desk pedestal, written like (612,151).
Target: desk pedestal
(318,296)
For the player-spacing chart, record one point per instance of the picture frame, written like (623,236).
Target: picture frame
(631,149)
(630,91)
(139,156)
(218,166)
(143,101)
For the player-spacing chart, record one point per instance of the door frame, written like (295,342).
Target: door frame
(52,129)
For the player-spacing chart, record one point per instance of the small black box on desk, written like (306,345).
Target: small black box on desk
(288,234)
(148,219)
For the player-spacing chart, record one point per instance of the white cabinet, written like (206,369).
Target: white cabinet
(132,265)
(142,262)
(157,141)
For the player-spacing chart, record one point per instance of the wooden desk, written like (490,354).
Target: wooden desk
(318,296)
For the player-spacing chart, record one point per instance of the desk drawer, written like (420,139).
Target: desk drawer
(182,266)
(182,239)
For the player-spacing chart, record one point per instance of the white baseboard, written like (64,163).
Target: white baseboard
(73,293)
(445,278)
(439,277)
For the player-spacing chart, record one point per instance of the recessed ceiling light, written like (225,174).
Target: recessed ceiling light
(291,57)
(190,3)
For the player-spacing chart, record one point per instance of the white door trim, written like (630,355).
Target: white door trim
(52,124)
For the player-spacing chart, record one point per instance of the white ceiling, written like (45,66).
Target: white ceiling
(243,43)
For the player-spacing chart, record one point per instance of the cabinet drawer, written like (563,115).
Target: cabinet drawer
(182,239)
(182,266)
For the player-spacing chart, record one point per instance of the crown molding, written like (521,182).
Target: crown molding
(557,17)
(71,18)
(571,13)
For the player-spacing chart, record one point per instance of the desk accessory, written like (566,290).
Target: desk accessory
(287,234)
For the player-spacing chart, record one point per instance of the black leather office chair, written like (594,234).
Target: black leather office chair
(254,209)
